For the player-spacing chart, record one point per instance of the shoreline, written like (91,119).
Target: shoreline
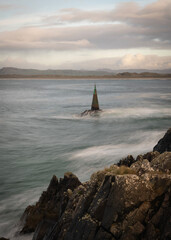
(128,200)
(82,78)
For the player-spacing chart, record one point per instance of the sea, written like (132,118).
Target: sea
(43,134)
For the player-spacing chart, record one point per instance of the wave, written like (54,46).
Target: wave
(117,113)
(86,161)
(12,208)
(136,112)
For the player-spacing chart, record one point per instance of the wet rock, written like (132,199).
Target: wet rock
(91,113)
(164,144)
(2,238)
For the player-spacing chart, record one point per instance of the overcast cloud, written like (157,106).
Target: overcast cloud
(126,26)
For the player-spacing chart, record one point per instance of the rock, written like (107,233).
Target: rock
(141,166)
(162,162)
(126,161)
(51,204)
(116,207)
(2,238)
(151,155)
(42,228)
(91,113)
(102,234)
(164,144)
(126,202)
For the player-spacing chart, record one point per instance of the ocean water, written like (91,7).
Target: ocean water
(42,133)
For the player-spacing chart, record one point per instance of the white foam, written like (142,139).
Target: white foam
(136,112)
(88,160)
(16,202)
(120,113)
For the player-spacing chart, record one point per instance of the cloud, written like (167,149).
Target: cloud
(146,62)
(126,26)
(154,19)
(21,62)
(5,7)
(104,36)
(128,61)
(37,38)
(130,12)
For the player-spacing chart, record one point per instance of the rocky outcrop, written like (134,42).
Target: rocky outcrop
(127,201)
(51,204)
(164,144)
(126,161)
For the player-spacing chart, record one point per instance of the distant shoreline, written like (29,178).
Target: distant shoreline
(46,77)
(17,73)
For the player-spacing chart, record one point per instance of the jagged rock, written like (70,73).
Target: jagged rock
(51,204)
(162,162)
(151,155)
(42,228)
(126,161)
(164,144)
(141,166)
(119,202)
(117,208)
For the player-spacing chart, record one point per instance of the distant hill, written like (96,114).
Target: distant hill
(9,72)
(35,72)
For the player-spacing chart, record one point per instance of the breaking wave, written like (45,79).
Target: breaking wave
(90,159)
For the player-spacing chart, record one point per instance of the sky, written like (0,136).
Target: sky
(85,34)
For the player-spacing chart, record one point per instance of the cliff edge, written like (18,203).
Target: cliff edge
(127,201)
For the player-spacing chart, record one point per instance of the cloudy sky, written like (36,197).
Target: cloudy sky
(85,34)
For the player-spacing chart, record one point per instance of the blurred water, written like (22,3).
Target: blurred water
(42,133)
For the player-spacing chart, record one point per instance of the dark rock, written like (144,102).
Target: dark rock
(2,238)
(51,204)
(151,155)
(43,227)
(164,144)
(91,113)
(126,161)
(102,234)
(126,202)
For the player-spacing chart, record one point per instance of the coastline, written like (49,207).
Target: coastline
(128,200)
(81,78)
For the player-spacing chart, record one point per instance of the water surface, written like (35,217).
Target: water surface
(42,133)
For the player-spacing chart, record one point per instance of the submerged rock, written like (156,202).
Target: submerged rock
(91,113)
(129,201)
